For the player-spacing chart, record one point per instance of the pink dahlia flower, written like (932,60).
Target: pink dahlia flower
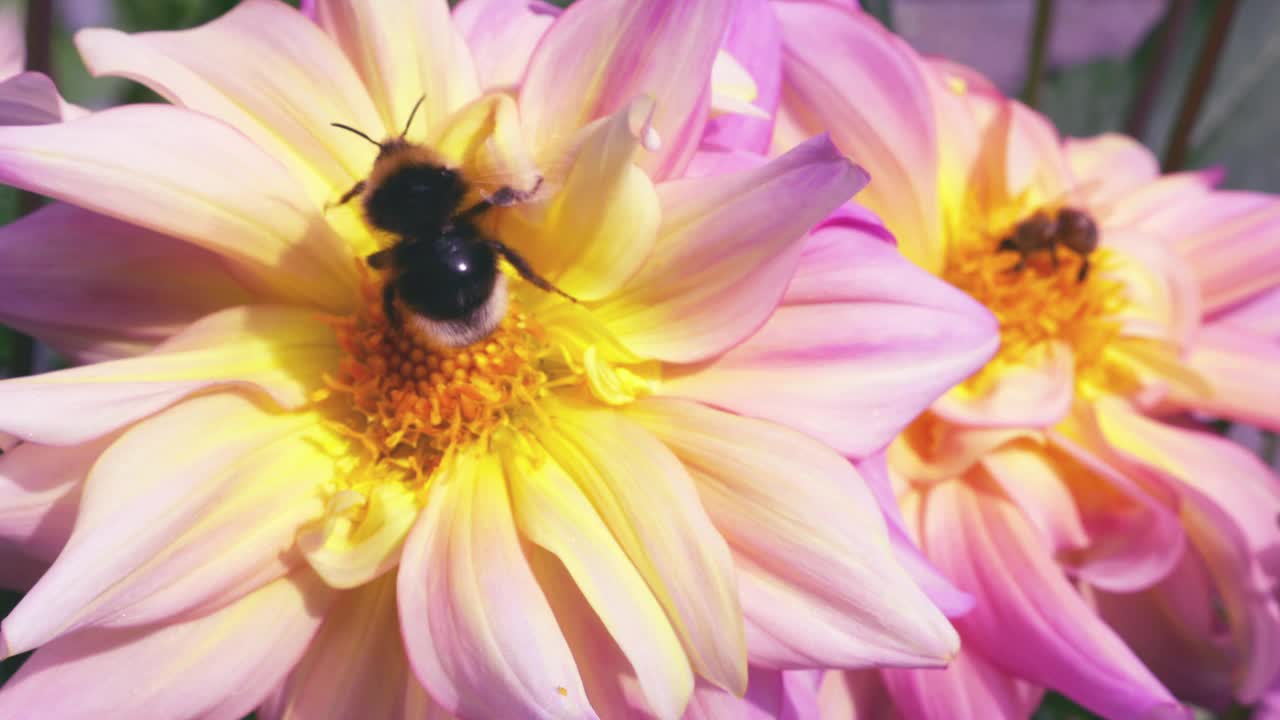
(1114,551)
(260,493)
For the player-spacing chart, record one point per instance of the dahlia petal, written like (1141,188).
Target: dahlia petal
(888,338)
(1135,533)
(945,596)
(1032,482)
(39,497)
(970,687)
(502,35)
(1231,524)
(854,695)
(355,666)
(347,555)
(175,670)
(280,350)
(1239,255)
(1239,367)
(1023,158)
(651,505)
(553,512)
(180,173)
(602,224)
(724,255)
(1173,198)
(771,695)
(1109,166)
(754,39)
(820,584)
(477,628)
(287,113)
(404,50)
(984,543)
(99,289)
(1259,315)
(139,532)
(1036,392)
(846,73)
(663,49)
(29,98)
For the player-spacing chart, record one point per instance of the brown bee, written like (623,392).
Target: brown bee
(1071,228)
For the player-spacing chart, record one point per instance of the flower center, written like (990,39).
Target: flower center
(407,402)
(1033,277)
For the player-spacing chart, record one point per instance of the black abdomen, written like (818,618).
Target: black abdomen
(448,277)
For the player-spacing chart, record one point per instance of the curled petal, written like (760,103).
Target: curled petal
(820,584)
(477,628)
(145,521)
(754,39)
(175,670)
(1109,166)
(984,543)
(725,255)
(98,289)
(287,113)
(187,175)
(599,56)
(646,497)
(1035,393)
(886,337)
(844,72)
(404,50)
(31,98)
(281,351)
(1032,482)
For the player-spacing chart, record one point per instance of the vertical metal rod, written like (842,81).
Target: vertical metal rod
(1040,33)
(1175,157)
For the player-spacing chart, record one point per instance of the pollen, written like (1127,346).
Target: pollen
(407,403)
(1044,301)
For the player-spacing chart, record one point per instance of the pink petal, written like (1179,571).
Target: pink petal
(952,601)
(1029,478)
(502,35)
(651,505)
(1135,534)
(1231,503)
(1239,366)
(970,687)
(177,510)
(217,665)
(1109,166)
(820,583)
(844,73)
(280,350)
(553,512)
(886,337)
(598,56)
(404,50)
(31,98)
(39,497)
(725,254)
(98,289)
(285,113)
(771,695)
(854,695)
(1259,315)
(355,666)
(1029,620)
(183,174)
(1035,393)
(1022,153)
(755,40)
(478,630)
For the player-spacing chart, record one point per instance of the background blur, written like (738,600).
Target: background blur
(1108,66)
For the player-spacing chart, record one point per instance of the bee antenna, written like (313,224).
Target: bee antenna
(348,128)
(409,123)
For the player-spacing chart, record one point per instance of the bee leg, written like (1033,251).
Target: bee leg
(1022,265)
(389,305)
(503,197)
(1084,270)
(1053,256)
(346,196)
(526,272)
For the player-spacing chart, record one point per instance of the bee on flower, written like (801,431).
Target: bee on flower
(625,488)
